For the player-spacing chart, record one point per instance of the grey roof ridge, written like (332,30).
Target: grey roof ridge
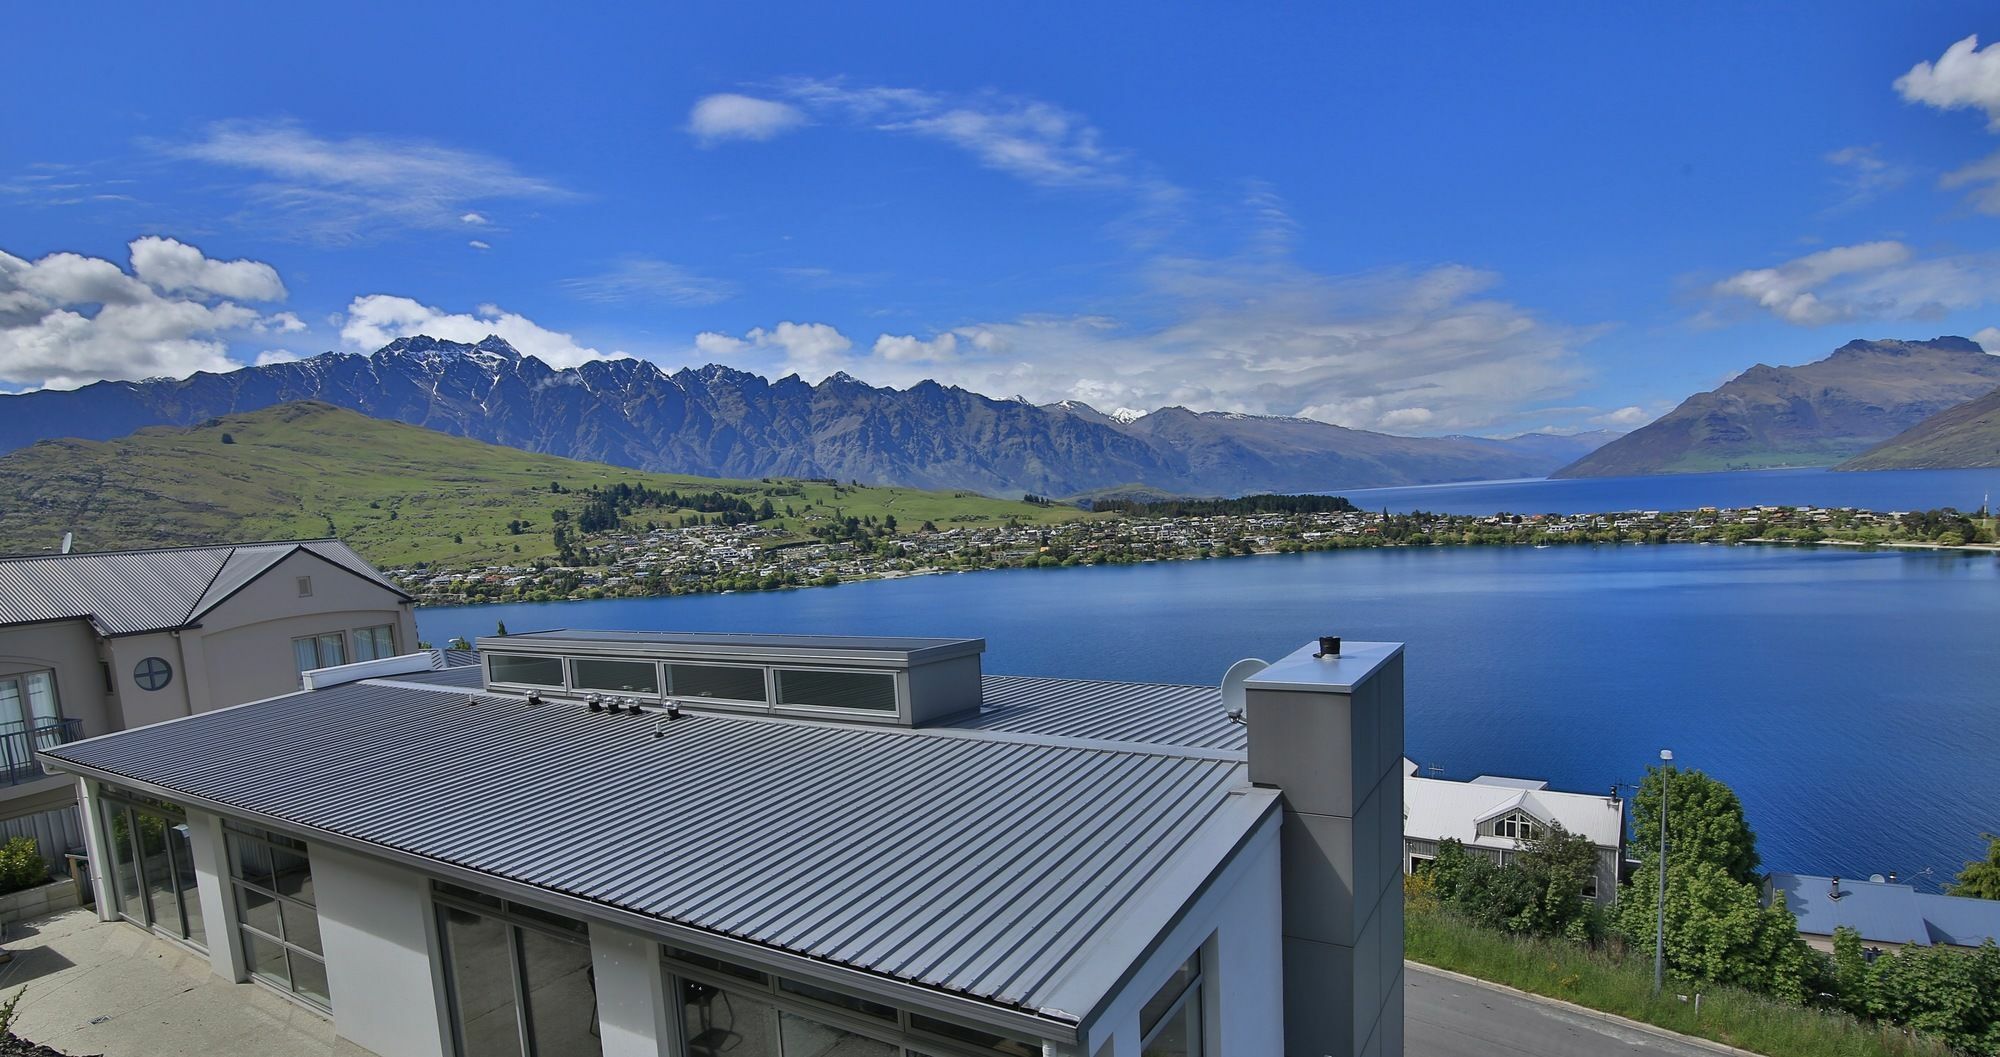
(1141,748)
(1210,860)
(160,550)
(195,605)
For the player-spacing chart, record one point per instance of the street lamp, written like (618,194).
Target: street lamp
(1660,933)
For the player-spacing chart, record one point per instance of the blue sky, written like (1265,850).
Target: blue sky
(1479,220)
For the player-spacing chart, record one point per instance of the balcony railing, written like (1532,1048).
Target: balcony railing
(19,742)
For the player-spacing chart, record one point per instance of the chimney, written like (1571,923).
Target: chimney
(1326,729)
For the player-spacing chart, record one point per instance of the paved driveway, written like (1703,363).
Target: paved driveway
(94,988)
(1448,1017)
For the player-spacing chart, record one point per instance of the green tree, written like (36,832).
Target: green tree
(1980,880)
(1704,821)
(1718,930)
(1558,865)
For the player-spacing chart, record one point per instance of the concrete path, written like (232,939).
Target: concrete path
(1446,1016)
(95,988)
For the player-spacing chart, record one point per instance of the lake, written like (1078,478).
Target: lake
(1817,486)
(1852,698)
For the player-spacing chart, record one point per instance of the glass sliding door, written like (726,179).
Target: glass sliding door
(152,868)
(520,978)
(270,878)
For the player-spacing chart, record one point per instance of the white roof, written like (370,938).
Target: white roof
(1441,809)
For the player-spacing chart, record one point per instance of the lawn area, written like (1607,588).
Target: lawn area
(1602,981)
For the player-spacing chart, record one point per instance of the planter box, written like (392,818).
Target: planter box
(39,901)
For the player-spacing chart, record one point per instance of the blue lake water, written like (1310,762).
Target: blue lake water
(1852,698)
(1881,490)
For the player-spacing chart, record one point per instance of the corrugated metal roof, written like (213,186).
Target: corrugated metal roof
(1153,713)
(1881,913)
(127,592)
(1959,920)
(979,863)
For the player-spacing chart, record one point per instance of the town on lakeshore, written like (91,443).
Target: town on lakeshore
(718,556)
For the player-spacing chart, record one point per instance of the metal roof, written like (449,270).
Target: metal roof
(129,592)
(1005,868)
(1959,920)
(896,649)
(1153,713)
(1881,913)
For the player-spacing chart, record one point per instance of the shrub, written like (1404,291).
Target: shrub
(21,865)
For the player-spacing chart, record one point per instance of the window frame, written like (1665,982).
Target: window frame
(386,631)
(174,816)
(235,831)
(778,704)
(319,656)
(20,680)
(446,896)
(910,1041)
(1194,990)
(1517,825)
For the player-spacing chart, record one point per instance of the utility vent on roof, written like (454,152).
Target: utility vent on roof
(904,681)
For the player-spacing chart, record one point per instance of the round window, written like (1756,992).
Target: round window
(153,673)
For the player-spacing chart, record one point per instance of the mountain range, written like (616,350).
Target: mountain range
(1960,437)
(719,422)
(1817,414)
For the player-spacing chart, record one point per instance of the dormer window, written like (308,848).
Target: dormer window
(1519,825)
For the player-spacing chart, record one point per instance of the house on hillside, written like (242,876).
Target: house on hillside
(621,844)
(1884,912)
(1495,816)
(95,642)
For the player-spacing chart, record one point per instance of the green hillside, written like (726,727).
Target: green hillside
(398,493)
(1963,437)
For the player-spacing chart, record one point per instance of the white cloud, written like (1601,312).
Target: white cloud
(1864,175)
(67,320)
(1429,350)
(1966,75)
(645,279)
(479,245)
(810,350)
(271,356)
(727,115)
(1983,177)
(376,320)
(346,190)
(174,267)
(1873,280)
(1623,418)
(280,323)
(911,349)
(1988,339)
(476,219)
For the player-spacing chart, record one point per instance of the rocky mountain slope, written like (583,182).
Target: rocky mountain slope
(1812,415)
(716,421)
(1962,437)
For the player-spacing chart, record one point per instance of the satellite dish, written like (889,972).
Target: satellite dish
(1878,878)
(1234,697)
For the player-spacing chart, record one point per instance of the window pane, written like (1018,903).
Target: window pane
(727,1023)
(41,697)
(257,910)
(1157,1006)
(804,1036)
(562,1003)
(125,864)
(714,680)
(534,671)
(629,677)
(1180,1036)
(305,654)
(482,983)
(249,860)
(11,702)
(301,925)
(309,977)
(872,691)
(332,650)
(265,958)
(859,1005)
(158,873)
(291,874)
(983,1039)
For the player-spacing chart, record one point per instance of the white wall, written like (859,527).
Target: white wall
(1239,923)
(633,1019)
(376,928)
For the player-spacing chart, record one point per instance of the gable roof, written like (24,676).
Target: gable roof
(131,592)
(1441,809)
(1886,912)
(1008,870)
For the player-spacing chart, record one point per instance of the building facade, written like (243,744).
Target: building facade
(694,845)
(95,642)
(1496,817)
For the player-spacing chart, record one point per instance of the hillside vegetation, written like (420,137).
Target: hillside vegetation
(399,493)
(1966,436)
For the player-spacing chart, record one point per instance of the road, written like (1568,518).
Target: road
(1446,1017)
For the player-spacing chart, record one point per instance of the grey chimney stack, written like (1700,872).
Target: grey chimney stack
(1326,728)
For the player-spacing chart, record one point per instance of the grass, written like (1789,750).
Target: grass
(399,493)
(1604,981)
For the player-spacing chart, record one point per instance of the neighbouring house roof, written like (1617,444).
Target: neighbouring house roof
(131,592)
(1441,809)
(1886,912)
(1024,870)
